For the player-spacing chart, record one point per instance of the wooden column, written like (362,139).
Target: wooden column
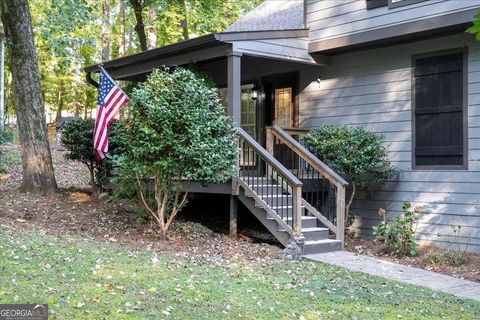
(233,216)
(341,213)
(234,86)
(269,140)
(297,210)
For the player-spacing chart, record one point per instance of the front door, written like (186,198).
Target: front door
(280,101)
(281,110)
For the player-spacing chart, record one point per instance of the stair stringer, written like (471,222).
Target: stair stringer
(261,214)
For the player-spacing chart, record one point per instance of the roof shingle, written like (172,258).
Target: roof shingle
(271,15)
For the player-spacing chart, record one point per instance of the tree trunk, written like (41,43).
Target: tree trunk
(2,85)
(85,111)
(75,103)
(139,26)
(121,41)
(38,175)
(183,21)
(129,39)
(152,36)
(59,104)
(350,201)
(76,70)
(8,95)
(121,31)
(105,30)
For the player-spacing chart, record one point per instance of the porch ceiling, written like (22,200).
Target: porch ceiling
(253,68)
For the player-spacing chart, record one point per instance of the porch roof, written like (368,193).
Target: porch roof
(263,44)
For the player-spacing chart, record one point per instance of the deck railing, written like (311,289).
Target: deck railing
(272,185)
(323,193)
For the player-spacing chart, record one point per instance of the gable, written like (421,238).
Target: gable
(272,15)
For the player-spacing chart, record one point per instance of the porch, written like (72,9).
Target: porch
(286,187)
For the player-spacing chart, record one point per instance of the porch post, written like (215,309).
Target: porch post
(233,216)
(234,86)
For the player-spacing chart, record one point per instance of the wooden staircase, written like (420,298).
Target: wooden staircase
(274,194)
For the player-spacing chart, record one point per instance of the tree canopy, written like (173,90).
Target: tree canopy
(68,37)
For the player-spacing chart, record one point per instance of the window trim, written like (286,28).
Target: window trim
(393,5)
(463,166)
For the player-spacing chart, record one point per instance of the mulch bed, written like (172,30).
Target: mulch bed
(469,271)
(75,212)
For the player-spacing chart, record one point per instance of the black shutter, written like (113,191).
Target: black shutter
(376,3)
(439,110)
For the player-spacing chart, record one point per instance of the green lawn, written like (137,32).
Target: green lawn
(82,279)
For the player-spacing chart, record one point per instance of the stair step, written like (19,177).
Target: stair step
(321,246)
(307,222)
(313,233)
(313,229)
(316,233)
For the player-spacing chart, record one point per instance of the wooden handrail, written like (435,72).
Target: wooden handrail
(303,152)
(269,158)
(295,131)
(326,171)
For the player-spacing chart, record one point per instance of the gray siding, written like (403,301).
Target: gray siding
(290,49)
(328,19)
(373,89)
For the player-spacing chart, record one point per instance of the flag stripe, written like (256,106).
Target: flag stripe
(120,104)
(110,99)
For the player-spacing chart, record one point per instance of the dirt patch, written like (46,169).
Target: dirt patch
(74,211)
(469,271)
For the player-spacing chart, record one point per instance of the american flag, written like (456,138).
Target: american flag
(110,99)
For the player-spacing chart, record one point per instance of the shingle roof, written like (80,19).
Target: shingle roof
(271,15)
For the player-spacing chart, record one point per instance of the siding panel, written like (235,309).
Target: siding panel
(373,89)
(333,18)
(295,49)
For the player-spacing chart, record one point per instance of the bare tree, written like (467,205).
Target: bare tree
(38,175)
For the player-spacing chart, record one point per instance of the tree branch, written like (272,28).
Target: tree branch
(143,199)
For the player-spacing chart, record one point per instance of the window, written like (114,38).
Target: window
(399,3)
(440,114)
(371,4)
(248,121)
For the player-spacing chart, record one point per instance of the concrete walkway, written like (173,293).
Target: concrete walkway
(394,271)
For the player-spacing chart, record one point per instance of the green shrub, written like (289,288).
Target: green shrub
(177,131)
(450,258)
(9,159)
(78,140)
(399,235)
(475,27)
(3,166)
(7,135)
(359,156)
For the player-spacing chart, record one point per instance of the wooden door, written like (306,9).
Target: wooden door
(280,107)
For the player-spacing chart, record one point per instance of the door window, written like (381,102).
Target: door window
(284,116)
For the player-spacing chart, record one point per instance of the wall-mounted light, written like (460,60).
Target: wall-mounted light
(254,93)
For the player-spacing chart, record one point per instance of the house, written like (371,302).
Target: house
(402,68)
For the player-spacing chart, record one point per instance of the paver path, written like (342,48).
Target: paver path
(399,272)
